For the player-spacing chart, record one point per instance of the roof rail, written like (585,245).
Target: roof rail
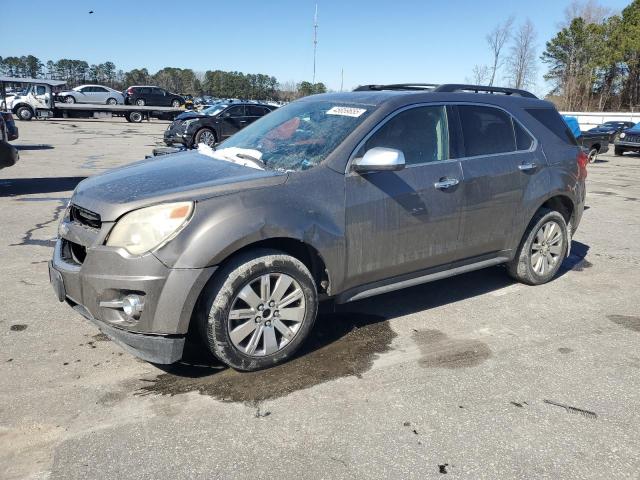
(447,87)
(460,87)
(397,86)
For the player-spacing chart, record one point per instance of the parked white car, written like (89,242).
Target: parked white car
(92,94)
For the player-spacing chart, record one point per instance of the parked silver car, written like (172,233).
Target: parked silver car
(92,94)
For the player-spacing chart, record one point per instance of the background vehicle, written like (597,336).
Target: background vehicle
(628,141)
(92,94)
(612,128)
(10,125)
(213,124)
(152,96)
(314,202)
(8,153)
(37,101)
(592,142)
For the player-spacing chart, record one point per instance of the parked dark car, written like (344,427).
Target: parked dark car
(8,153)
(10,125)
(336,196)
(214,124)
(152,96)
(628,141)
(592,142)
(613,129)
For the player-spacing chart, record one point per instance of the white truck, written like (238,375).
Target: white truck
(37,100)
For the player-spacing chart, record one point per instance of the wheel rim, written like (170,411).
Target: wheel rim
(139,102)
(136,117)
(175,103)
(208,138)
(592,155)
(546,248)
(112,101)
(69,99)
(25,114)
(266,314)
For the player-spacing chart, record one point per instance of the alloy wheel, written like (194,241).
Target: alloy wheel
(546,249)
(266,314)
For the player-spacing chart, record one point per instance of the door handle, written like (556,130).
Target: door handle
(445,183)
(525,167)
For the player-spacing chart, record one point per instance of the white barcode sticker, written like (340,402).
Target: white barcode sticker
(346,111)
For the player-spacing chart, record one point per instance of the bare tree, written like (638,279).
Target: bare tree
(589,10)
(521,63)
(497,40)
(480,74)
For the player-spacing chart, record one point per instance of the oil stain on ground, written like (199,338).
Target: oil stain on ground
(440,351)
(627,321)
(341,345)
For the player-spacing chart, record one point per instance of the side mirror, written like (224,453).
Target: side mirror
(380,159)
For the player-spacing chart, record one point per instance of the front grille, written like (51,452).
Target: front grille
(85,217)
(632,138)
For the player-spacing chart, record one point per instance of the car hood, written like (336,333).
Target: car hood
(187,115)
(175,177)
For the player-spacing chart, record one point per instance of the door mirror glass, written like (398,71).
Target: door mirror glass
(380,159)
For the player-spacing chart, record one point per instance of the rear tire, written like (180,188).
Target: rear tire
(242,311)
(135,117)
(542,249)
(592,155)
(618,151)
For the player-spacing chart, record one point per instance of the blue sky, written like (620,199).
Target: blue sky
(374,41)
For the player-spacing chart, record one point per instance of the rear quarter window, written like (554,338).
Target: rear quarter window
(553,122)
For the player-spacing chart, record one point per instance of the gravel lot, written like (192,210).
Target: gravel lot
(470,377)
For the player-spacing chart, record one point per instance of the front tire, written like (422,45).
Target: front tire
(69,99)
(112,101)
(618,151)
(24,113)
(542,249)
(258,309)
(206,136)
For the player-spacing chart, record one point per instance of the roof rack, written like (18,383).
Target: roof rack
(448,87)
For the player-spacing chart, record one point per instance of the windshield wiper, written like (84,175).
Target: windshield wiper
(246,156)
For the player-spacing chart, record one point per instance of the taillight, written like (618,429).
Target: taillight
(583,161)
(130,90)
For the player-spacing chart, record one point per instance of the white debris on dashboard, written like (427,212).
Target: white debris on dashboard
(240,156)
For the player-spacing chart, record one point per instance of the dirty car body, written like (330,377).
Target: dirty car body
(438,207)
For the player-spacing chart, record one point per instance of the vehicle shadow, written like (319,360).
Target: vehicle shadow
(34,147)
(346,337)
(10,187)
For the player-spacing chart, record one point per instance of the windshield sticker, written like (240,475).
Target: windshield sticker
(346,111)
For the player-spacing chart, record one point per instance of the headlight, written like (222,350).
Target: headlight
(186,123)
(143,230)
(622,135)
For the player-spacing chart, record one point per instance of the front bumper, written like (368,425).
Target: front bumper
(106,275)
(177,136)
(628,145)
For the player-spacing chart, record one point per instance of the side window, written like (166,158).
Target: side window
(486,130)
(145,91)
(523,139)
(85,89)
(551,119)
(237,111)
(421,133)
(158,91)
(41,90)
(99,89)
(255,111)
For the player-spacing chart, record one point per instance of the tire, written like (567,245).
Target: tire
(175,103)
(112,101)
(618,151)
(24,113)
(206,136)
(525,267)
(592,155)
(69,99)
(135,117)
(140,102)
(261,330)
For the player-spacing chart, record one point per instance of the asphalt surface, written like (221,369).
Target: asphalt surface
(470,377)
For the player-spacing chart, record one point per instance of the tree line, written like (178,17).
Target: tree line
(216,83)
(592,62)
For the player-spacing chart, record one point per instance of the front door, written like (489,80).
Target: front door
(405,221)
(232,120)
(497,163)
(42,97)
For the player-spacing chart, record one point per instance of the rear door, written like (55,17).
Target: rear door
(232,120)
(399,222)
(498,161)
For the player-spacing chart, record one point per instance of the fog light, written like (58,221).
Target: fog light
(132,306)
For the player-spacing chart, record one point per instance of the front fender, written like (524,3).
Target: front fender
(294,210)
